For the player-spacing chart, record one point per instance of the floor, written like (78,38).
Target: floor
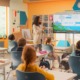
(11,77)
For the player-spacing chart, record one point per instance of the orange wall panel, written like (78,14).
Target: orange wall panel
(42,8)
(52,7)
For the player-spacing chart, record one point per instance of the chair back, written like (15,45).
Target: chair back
(12,46)
(74,62)
(29,75)
(15,58)
(47,48)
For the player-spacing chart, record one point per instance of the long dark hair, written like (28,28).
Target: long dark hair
(28,56)
(36,21)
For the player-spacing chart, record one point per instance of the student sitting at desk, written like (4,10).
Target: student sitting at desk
(21,44)
(48,41)
(28,65)
(48,46)
(12,43)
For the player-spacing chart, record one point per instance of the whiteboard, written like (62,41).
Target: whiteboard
(26,34)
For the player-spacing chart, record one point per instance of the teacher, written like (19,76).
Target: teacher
(37,32)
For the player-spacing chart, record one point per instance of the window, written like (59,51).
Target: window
(2,20)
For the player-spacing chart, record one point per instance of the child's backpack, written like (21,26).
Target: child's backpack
(45,63)
(64,63)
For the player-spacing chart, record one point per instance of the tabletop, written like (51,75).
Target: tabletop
(62,75)
(4,62)
(63,48)
(3,49)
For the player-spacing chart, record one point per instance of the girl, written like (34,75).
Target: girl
(28,65)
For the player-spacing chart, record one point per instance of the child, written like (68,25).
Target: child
(12,43)
(53,55)
(49,41)
(21,44)
(28,65)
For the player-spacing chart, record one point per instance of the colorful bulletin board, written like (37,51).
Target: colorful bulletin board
(19,18)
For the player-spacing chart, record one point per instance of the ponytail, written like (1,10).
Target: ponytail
(28,56)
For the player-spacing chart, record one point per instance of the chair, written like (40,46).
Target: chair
(29,75)
(47,48)
(74,62)
(12,46)
(15,60)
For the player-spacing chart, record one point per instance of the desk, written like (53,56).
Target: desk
(2,65)
(62,75)
(2,51)
(29,41)
(30,44)
(62,49)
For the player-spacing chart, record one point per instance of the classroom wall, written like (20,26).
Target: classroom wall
(41,8)
(52,7)
(17,5)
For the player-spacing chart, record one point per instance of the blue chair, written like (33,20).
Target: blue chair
(74,62)
(12,46)
(63,43)
(15,60)
(29,75)
(47,48)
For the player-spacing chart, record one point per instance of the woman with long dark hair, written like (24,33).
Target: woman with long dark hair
(37,32)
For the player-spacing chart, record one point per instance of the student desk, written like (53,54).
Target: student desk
(2,51)
(62,75)
(3,65)
(61,49)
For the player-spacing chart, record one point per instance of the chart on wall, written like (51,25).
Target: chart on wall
(2,21)
(19,18)
(66,22)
